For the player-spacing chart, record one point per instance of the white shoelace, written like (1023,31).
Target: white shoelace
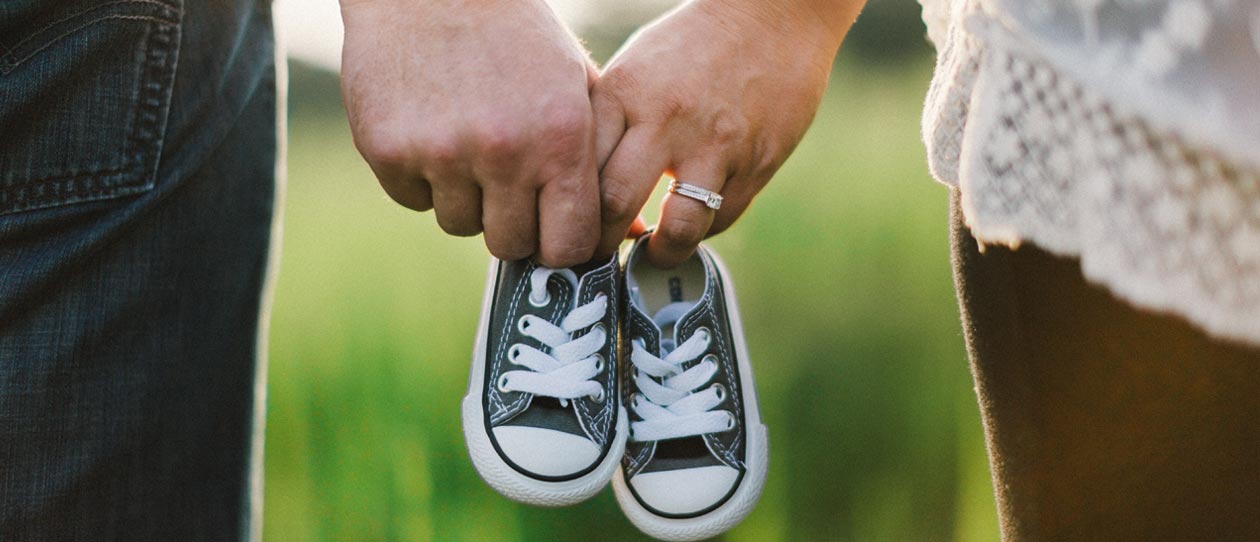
(672,408)
(568,370)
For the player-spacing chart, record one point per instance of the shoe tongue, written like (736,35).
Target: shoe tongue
(580,278)
(666,321)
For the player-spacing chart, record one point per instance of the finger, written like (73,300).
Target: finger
(685,221)
(568,217)
(627,182)
(510,219)
(412,192)
(737,195)
(610,124)
(457,205)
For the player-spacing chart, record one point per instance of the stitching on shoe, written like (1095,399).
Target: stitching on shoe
(714,441)
(502,410)
(597,424)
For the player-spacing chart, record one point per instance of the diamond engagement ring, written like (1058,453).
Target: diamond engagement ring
(711,199)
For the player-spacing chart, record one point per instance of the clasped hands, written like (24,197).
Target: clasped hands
(491,114)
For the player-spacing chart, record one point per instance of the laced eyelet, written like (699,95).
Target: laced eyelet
(599,363)
(634,400)
(720,390)
(598,397)
(502,384)
(704,333)
(514,352)
(730,420)
(711,358)
(523,323)
(546,300)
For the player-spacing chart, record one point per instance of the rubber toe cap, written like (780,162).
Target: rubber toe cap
(546,452)
(684,491)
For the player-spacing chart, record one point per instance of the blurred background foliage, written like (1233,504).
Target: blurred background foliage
(843,272)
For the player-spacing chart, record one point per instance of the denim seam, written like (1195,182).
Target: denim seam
(9,60)
(142,151)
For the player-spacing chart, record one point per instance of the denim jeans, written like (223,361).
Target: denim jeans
(138,147)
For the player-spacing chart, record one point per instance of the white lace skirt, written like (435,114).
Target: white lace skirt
(1126,134)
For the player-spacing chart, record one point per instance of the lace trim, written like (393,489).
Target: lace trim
(1038,157)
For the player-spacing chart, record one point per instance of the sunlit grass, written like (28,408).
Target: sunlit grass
(842,270)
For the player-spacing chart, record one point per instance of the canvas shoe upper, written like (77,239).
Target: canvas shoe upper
(696,458)
(543,413)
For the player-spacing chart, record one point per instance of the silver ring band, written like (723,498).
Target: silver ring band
(709,198)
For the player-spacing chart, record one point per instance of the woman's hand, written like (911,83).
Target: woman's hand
(716,93)
(480,111)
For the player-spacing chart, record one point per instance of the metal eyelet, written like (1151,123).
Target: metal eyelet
(634,401)
(599,363)
(720,390)
(546,300)
(704,333)
(523,324)
(502,384)
(598,397)
(514,352)
(711,358)
(730,420)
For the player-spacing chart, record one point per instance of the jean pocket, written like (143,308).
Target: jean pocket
(85,87)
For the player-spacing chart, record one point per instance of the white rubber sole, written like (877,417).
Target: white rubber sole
(493,469)
(756,460)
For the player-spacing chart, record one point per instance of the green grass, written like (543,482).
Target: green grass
(843,273)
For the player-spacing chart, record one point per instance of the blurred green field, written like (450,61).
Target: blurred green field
(843,273)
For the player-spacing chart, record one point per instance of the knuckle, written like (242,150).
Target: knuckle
(439,151)
(408,195)
(499,142)
(458,227)
(509,250)
(677,104)
(568,252)
(616,205)
(385,144)
(682,232)
(565,128)
(766,157)
(728,129)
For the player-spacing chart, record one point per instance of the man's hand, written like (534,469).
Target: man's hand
(481,112)
(716,93)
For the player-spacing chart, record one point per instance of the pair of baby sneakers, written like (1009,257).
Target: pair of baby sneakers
(632,374)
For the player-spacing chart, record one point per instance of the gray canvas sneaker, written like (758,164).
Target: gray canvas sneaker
(543,418)
(697,455)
